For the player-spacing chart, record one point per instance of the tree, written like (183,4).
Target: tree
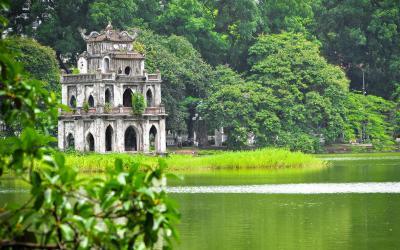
(241,108)
(308,88)
(362,36)
(238,21)
(52,23)
(370,119)
(184,75)
(121,13)
(196,22)
(288,15)
(38,60)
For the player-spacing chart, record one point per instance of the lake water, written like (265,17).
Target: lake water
(353,204)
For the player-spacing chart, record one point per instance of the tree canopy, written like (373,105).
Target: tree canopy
(185,75)
(293,97)
(38,60)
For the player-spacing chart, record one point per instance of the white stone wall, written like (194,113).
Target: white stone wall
(80,129)
(82,65)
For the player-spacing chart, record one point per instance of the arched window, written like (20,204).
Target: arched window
(109,138)
(107,96)
(72,102)
(70,142)
(153,139)
(149,98)
(90,142)
(127,98)
(106,65)
(130,139)
(91,101)
(127,70)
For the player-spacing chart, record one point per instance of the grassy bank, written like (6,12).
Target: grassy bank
(263,158)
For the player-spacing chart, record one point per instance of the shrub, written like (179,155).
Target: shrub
(138,103)
(85,106)
(107,107)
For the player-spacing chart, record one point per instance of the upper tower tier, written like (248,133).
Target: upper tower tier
(110,51)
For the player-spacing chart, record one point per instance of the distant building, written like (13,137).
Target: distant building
(100,96)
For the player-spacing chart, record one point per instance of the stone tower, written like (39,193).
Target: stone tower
(101,120)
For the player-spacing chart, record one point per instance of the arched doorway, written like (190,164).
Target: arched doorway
(107,96)
(149,98)
(109,138)
(153,139)
(72,102)
(90,142)
(70,142)
(106,65)
(91,101)
(127,98)
(130,139)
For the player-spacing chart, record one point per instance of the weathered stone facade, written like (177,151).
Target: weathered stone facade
(101,119)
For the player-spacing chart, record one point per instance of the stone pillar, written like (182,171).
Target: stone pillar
(80,95)
(118,92)
(146,136)
(119,136)
(157,94)
(162,137)
(79,136)
(100,94)
(100,139)
(64,94)
(61,135)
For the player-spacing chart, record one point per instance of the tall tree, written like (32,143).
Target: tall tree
(38,60)
(185,76)
(288,15)
(309,90)
(363,36)
(196,22)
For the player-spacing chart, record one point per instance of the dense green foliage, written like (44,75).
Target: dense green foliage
(138,103)
(298,62)
(356,35)
(126,210)
(370,118)
(185,76)
(292,97)
(38,60)
(362,35)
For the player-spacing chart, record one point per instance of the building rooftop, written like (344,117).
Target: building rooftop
(109,34)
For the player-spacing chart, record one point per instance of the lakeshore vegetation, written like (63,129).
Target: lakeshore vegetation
(268,158)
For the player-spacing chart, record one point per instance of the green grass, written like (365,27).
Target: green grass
(268,158)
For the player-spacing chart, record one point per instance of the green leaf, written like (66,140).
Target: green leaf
(39,201)
(67,232)
(122,178)
(36,180)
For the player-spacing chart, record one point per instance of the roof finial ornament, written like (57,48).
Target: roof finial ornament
(109,26)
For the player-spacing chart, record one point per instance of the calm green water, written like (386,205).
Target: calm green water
(293,221)
(235,216)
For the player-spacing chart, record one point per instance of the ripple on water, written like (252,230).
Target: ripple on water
(309,188)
